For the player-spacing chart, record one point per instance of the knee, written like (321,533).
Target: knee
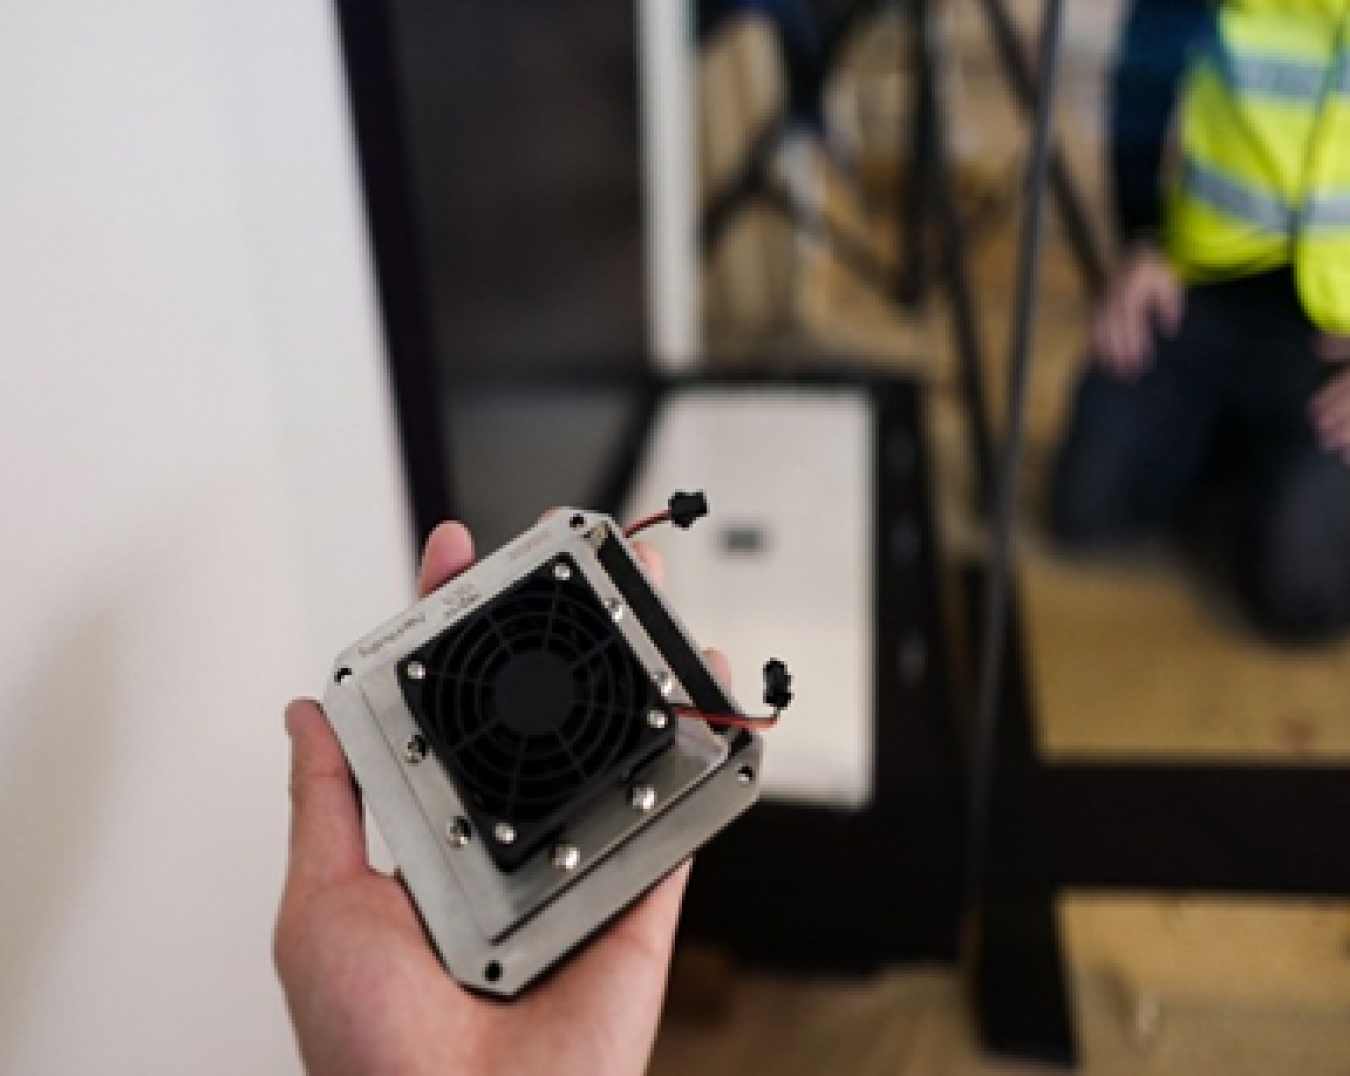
(1300,585)
(1082,524)
(1291,606)
(1085,513)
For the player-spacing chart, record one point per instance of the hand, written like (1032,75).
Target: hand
(1329,409)
(1144,298)
(1332,348)
(366,992)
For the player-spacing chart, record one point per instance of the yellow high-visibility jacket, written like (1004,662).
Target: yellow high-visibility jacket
(1262,179)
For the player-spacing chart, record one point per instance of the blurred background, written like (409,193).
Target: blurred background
(281,286)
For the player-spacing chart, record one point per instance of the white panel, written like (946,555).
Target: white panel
(792,469)
(202,503)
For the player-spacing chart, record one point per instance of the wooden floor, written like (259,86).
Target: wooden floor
(1163,984)
(1163,987)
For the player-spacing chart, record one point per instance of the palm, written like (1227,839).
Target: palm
(358,966)
(366,991)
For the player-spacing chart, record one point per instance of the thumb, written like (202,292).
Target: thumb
(327,837)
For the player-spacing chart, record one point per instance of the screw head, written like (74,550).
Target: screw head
(504,832)
(415,750)
(615,609)
(745,775)
(457,833)
(642,798)
(343,676)
(415,670)
(657,719)
(566,857)
(665,683)
(562,571)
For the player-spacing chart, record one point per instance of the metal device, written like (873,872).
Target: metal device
(524,739)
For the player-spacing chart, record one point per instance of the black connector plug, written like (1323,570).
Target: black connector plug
(777,685)
(685,508)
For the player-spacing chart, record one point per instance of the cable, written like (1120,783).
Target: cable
(777,693)
(645,523)
(735,721)
(684,509)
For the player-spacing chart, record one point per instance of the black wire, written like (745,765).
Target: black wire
(984,736)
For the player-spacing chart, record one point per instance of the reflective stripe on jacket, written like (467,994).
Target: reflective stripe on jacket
(1263,174)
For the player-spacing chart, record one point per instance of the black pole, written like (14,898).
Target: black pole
(1072,213)
(984,735)
(930,190)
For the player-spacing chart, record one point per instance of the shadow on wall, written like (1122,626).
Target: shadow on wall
(55,777)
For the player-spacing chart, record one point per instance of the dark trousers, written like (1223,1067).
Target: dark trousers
(1225,402)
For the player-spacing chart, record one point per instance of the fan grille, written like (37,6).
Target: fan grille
(534,705)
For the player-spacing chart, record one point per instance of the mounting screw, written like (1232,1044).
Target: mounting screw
(643,798)
(562,572)
(615,609)
(457,833)
(415,750)
(415,670)
(657,719)
(505,833)
(566,857)
(665,683)
(343,675)
(745,775)
(578,521)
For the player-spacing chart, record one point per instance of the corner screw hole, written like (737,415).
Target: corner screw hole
(342,675)
(578,521)
(745,775)
(492,972)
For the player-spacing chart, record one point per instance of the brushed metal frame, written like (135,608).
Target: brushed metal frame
(495,931)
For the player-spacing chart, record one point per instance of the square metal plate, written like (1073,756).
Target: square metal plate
(500,914)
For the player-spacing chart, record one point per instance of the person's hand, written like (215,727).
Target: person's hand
(1144,299)
(1329,409)
(366,992)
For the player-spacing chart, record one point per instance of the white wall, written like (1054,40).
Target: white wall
(201,503)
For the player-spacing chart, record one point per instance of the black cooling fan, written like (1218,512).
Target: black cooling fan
(535,705)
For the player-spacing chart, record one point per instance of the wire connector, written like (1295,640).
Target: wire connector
(777,685)
(685,508)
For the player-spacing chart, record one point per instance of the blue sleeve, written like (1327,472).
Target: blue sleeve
(1159,40)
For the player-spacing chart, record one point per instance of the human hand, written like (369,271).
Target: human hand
(367,993)
(1144,298)
(1329,409)
(1331,347)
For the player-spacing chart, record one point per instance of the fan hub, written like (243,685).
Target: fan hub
(534,693)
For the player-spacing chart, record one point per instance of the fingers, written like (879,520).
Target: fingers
(1130,335)
(721,667)
(1122,348)
(1170,307)
(1329,412)
(448,552)
(653,561)
(1146,302)
(659,910)
(1332,348)
(327,838)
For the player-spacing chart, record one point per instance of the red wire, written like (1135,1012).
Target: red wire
(734,720)
(645,522)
